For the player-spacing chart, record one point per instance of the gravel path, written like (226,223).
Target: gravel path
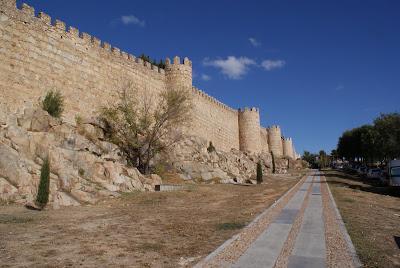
(231,250)
(340,251)
(317,236)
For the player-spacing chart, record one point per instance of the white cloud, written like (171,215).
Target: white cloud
(254,42)
(339,88)
(131,19)
(205,77)
(270,65)
(232,67)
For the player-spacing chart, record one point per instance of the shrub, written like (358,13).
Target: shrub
(53,103)
(144,125)
(81,172)
(259,173)
(78,120)
(159,169)
(44,184)
(211,148)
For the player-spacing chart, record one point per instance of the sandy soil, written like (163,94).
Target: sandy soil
(167,229)
(372,217)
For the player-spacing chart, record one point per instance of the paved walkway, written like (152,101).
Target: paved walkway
(296,237)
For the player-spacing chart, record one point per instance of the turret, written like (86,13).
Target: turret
(249,130)
(178,74)
(275,140)
(288,147)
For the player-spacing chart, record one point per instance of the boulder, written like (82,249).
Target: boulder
(192,160)
(7,190)
(84,168)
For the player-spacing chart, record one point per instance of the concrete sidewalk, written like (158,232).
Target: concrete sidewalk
(266,248)
(309,248)
(302,229)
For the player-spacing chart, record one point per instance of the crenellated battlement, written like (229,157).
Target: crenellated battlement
(40,53)
(288,149)
(275,128)
(247,109)
(177,61)
(178,73)
(28,14)
(213,100)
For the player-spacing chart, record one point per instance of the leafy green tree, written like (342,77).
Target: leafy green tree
(44,184)
(370,143)
(334,154)
(388,131)
(53,103)
(323,159)
(309,157)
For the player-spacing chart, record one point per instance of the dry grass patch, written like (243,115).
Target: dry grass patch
(161,229)
(372,216)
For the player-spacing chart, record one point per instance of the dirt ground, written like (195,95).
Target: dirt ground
(161,229)
(371,213)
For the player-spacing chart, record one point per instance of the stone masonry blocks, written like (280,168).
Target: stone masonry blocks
(37,56)
(249,130)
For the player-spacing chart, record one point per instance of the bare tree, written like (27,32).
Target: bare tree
(145,124)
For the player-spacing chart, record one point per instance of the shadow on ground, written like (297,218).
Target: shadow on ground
(363,184)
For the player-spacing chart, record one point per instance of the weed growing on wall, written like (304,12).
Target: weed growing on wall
(53,103)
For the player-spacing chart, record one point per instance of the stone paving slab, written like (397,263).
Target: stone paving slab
(287,216)
(265,250)
(302,262)
(310,245)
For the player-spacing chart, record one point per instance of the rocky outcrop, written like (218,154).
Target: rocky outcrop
(191,158)
(84,167)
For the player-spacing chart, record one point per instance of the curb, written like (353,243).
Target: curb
(256,219)
(356,261)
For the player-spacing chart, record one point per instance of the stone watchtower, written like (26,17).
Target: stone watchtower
(275,140)
(178,74)
(249,130)
(288,147)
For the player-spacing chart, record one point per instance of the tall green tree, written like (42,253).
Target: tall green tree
(44,185)
(388,130)
(371,143)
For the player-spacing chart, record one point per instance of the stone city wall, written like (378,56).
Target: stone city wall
(38,54)
(215,121)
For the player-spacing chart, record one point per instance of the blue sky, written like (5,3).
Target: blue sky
(316,68)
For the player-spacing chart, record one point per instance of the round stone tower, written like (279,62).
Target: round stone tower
(178,74)
(275,140)
(249,130)
(288,147)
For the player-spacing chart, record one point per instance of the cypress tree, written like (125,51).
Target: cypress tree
(44,184)
(259,173)
(273,163)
